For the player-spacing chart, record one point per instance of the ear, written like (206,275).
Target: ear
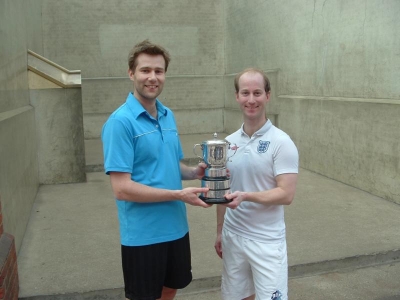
(268,96)
(130,73)
(237,96)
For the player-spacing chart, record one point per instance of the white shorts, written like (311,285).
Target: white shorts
(251,267)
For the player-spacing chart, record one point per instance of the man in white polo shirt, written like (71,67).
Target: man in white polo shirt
(251,237)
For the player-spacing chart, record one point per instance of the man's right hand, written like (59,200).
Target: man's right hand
(189,196)
(218,245)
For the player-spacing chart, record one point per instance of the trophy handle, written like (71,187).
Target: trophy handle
(194,151)
(234,148)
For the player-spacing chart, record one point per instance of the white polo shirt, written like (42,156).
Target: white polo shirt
(257,161)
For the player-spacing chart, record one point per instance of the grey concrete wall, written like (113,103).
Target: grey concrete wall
(321,51)
(352,141)
(96,36)
(59,135)
(197,102)
(323,48)
(338,80)
(20,23)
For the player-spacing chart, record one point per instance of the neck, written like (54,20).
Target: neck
(252,126)
(152,110)
(149,105)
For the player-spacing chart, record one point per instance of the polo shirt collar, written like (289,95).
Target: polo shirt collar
(137,109)
(260,131)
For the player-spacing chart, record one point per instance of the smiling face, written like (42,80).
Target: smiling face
(148,77)
(252,97)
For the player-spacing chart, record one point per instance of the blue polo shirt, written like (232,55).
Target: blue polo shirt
(150,150)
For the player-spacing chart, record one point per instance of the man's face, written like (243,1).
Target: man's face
(252,97)
(148,77)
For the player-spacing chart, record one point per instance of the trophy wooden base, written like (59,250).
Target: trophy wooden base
(214,200)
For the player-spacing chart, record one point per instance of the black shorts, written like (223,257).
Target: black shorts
(148,268)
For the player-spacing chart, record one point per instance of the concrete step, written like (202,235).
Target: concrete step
(380,282)
(377,282)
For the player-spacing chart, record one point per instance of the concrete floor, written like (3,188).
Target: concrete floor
(342,242)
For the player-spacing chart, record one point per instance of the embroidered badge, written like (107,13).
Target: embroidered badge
(276,295)
(263,146)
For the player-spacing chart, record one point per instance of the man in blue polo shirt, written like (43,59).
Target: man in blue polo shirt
(142,154)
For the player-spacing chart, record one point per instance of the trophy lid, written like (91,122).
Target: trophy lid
(216,141)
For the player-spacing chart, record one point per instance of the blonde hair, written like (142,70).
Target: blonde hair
(267,84)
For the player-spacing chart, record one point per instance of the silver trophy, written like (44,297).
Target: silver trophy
(215,177)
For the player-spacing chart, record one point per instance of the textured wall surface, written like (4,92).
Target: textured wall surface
(193,100)
(337,84)
(59,135)
(19,169)
(352,141)
(20,25)
(323,48)
(317,50)
(96,36)
(333,67)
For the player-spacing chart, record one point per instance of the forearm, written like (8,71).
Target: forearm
(136,192)
(283,194)
(188,173)
(220,217)
(276,196)
(126,189)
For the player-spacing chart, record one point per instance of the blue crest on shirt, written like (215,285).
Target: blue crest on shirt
(263,146)
(276,295)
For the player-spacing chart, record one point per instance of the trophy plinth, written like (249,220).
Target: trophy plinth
(215,178)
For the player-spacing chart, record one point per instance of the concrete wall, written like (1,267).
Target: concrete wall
(338,90)
(59,134)
(96,36)
(333,67)
(331,58)
(20,23)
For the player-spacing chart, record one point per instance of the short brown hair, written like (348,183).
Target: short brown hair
(149,48)
(267,85)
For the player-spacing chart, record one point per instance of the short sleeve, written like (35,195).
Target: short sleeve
(286,157)
(118,147)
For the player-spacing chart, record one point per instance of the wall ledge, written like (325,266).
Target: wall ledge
(12,113)
(342,99)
